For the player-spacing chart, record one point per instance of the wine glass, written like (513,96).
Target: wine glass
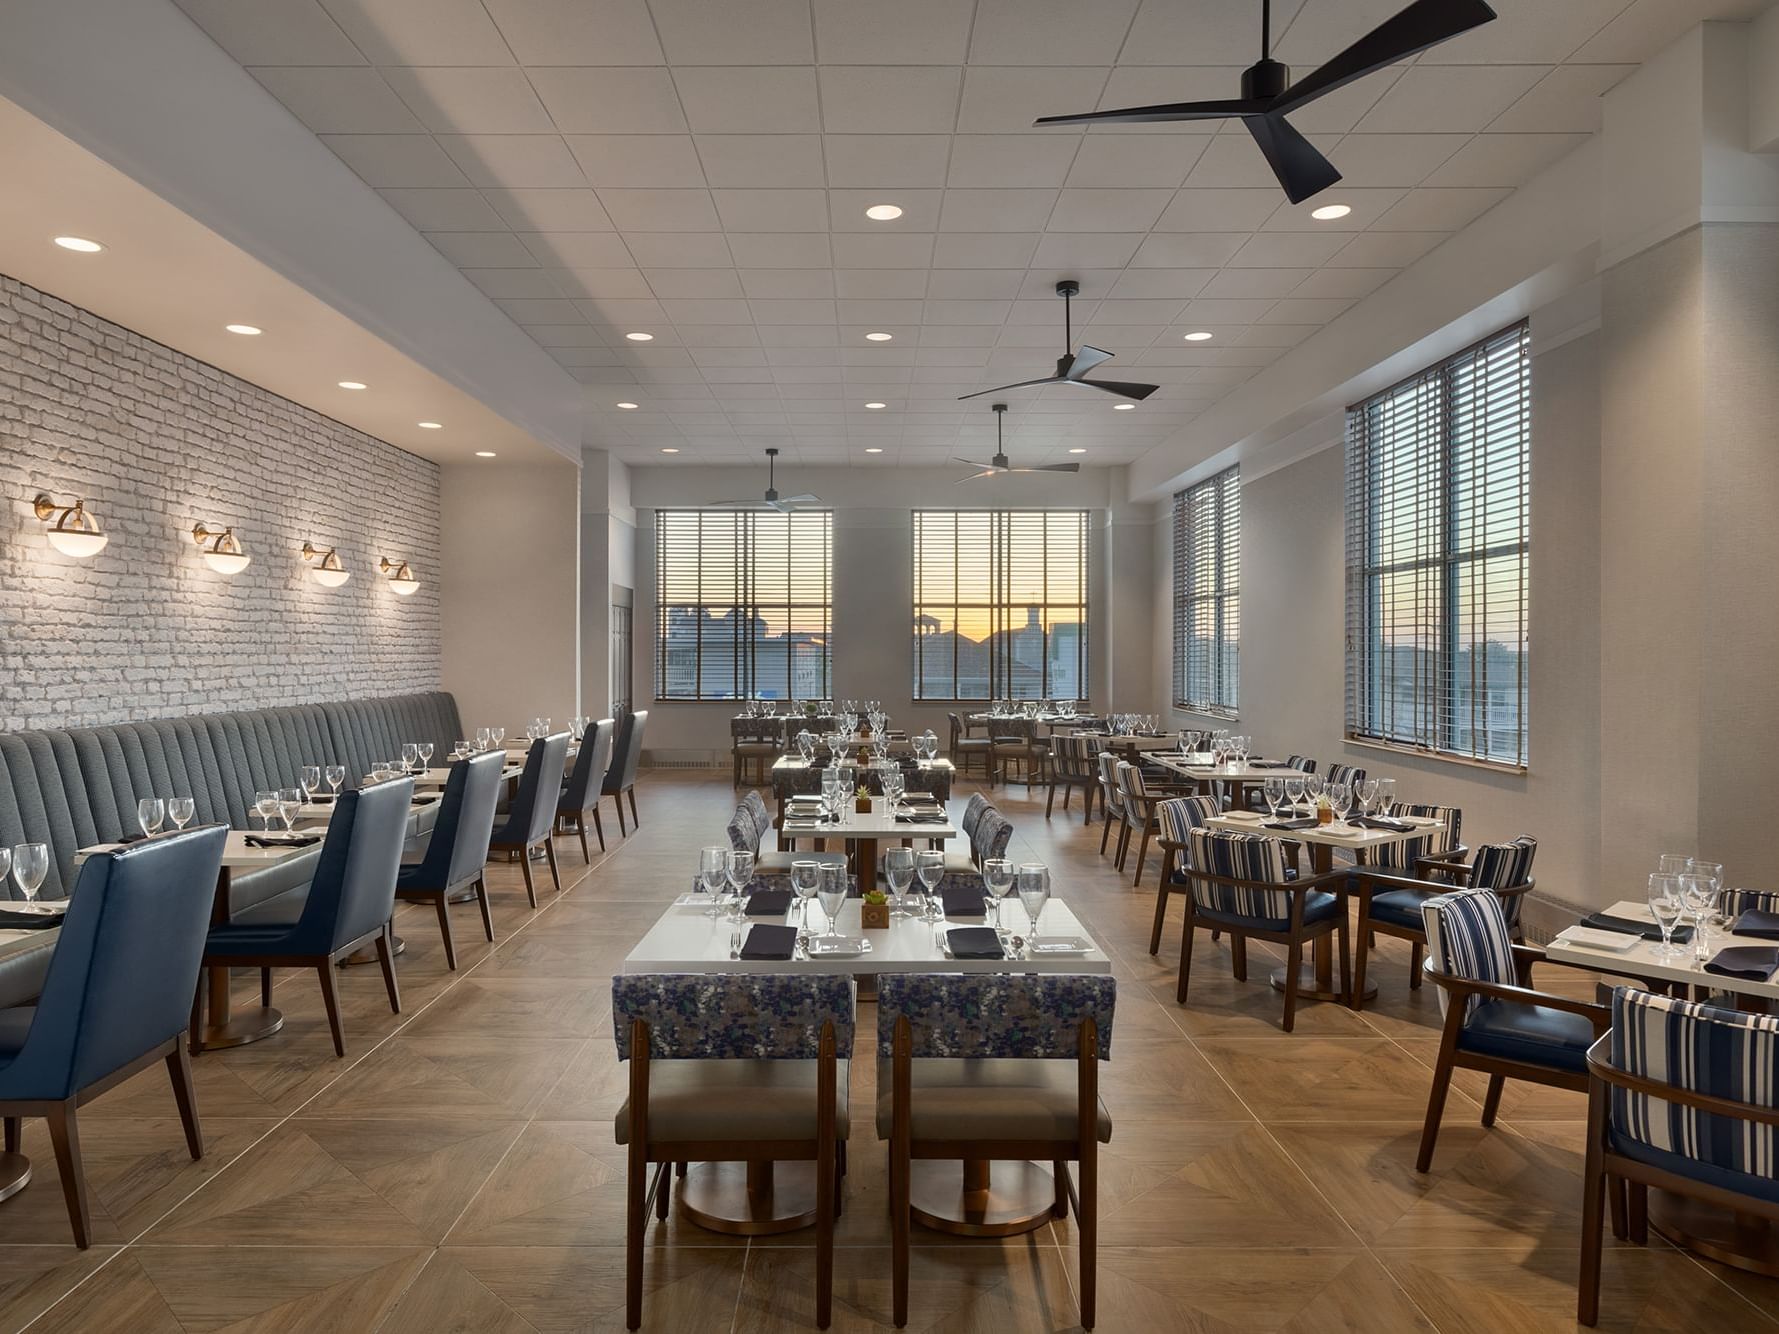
(740,871)
(929,865)
(1340,797)
(997,877)
(150,813)
(266,804)
(833,894)
(5,864)
(30,867)
(335,774)
(499,734)
(1671,863)
(1314,785)
(180,811)
(1294,791)
(1034,893)
(425,748)
(1367,795)
(290,805)
(806,878)
(311,780)
(1666,906)
(1386,795)
(1274,792)
(410,756)
(484,738)
(898,869)
(1698,896)
(713,865)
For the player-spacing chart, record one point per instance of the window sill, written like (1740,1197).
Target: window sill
(1442,757)
(1227,715)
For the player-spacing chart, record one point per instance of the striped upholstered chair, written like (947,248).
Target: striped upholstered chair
(1239,883)
(1179,816)
(1073,764)
(1141,794)
(1345,773)
(1495,1022)
(1111,797)
(1681,1096)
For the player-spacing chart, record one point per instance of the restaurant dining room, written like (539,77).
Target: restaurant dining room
(734,666)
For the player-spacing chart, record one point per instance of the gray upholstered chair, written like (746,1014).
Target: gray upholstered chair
(532,814)
(580,793)
(455,856)
(620,779)
(965,748)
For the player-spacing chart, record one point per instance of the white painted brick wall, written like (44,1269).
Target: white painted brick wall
(156,441)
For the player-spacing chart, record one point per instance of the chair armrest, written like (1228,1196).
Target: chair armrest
(1444,863)
(1600,1066)
(1463,988)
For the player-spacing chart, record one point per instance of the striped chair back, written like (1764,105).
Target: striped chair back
(993,832)
(973,809)
(1403,856)
(1181,815)
(1301,764)
(1500,866)
(1734,902)
(1702,1049)
(1232,856)
(1345,773)
(1131,784)
(1110,788)
(1073,756)
(1468,936)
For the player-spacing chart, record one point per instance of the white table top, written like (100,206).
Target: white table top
(20,941)
(1333,835)
(878,824)
(796,763)
(1641,961)
(237,854)
(436,777)
(684,940)
(1199,766)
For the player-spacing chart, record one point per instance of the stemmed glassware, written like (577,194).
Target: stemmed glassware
(151,812)
(805,880)
(929,865)
(30,867)
(895,786)
(1034,893)
(1314,785)
(266,805)
(713,866)
(740,872)
(1666,906)
(311,780)
(499,734)
(425,748)
(898,869)
(997,877)
(180,811)
(1340,797)
(290,805)
(1294,791)
(833,894)
(335,774)
(1386,795)
(1367,794)
(1274,792)
(1699,886)
(410,756)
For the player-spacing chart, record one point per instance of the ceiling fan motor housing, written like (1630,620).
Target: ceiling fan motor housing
(1268,78)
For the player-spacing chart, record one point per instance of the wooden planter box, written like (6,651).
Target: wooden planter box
(874,916)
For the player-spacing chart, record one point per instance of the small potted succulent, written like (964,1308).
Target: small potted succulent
(809,709)
(862,800)
(874,913)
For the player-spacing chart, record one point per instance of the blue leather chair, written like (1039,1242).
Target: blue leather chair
(532,814)
(580,794)
(626,758)
(457,849)
(347,906)
(114,1001)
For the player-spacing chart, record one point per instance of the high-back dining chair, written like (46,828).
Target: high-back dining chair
(116,998)
(1346,773)
(754,744)
(348,904)
(1073,764)
(732,1067)
(965,747)
(1301,763)
(620,779)
(1140,798)
(1178,817)
(1111,800)
(580,793)
(973,809)
(532,814)
(1681,1097)
(1239,883)
(988,1066)
(456,852)
(1495,1022)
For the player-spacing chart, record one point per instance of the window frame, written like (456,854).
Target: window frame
(1224,492)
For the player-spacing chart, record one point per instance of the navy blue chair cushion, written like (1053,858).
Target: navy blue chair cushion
(1318,906)
(1400,907)
(1534,1033)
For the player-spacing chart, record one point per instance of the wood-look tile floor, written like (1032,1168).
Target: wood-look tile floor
(457,1171)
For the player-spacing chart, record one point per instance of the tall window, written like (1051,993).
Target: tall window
(744,604)
(1000,604)
(1437,487)
(1208,595)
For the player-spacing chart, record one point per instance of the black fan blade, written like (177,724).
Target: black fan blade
(1050,467)
(1236,106)
(1085,360)
(1123,388)
(1298,164)
(1423,24)
(1023,384)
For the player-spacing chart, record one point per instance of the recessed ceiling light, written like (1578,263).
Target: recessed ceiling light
(1124,407)
(1329,212)
(1077,450)
(1197,337)
(879,337)
(883,212)
(247,329)
(874,406)
(669,449)
(640,337)
(79,243)
(484,453)
(873,449)
(430,426)
(628,407)
(352,384)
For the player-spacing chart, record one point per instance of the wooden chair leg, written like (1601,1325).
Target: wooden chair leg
(179,1071)
(550,857)
(598,826)
(1238,957)
(1160,906)
(1594,1185)
(580,829)
(1293,971)
(1142,855)
(826,1180)
(1050,803)
(1442,1083)
(330,995)
(1637,1212)
(265,987)
(1185,954)
(1105,830)
(1414,966)
(525,868)
(487,913)
(635,819)
(14,1132)
(1059,1169)
(663,1190)
(445,932)
(1361,956)
(1343,943)
(1615,1197)
(618,801)
(635,1223)
(1492,1099)
(901,1172)
(197,1012)
(1087,1203)
(386,958)
(65,1135)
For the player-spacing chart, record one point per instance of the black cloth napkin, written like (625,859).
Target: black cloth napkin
(300,841)
(1382,822)
(964,902)
(974,942)
(131,838)
(1628,926)
(30,921)
(769,942)
(1754,922)
(769,903)
(424,801)
(1266,764)
(1754,962)
(1307,822)
(915,817)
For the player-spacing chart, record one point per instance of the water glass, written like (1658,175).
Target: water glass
(898,870)
(290,805)
(1340,797)
(30,867)
(740,872)
(425,749)
(713,866)
(1034,893)
(1666,906)
(1274,792)
(180,811)
(1367,795)
(335,774)
(1294,791)
(266,805)
(150,813)
(484,738)
(311,779)
(929,865)
(499,734)
(806,878)
(997,877)
(832,890)
(1386,795)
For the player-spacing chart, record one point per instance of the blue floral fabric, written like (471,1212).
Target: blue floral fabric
(776,880)
(978,1015)
(733,1016)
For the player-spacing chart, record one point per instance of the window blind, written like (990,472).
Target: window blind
(1207,595)
(744,603)
(1000,604)
(1438,473)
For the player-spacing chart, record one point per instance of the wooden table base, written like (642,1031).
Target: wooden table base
(1737,1240)
(978,1198)
(1311,987)
(15,1174)
(242,1027)
(369,953)
(749,1199)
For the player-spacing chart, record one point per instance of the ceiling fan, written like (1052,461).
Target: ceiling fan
(1072,367)
(772,500)
(1268,93)
(1000,463)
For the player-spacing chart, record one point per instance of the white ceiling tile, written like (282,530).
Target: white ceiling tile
(1209,312)
(963,312)
(577,32)
(1427,210)
(669,284)
(584,356)
(1255,282)
(577,250)
(550,210)
(609,101)
(1504,159)
(1038,292)
(729,356)
(543,312)
(886,161)
(766,284)
(514,161)
(1565,100)
(567,335)
(679,250)
(1165,283)
(339,99)
(515,282)
(1134,311)
(639,160)
(1527,32)
(877,313)
(1109,210)
(1034,32)
(1001,160)
(471,101)
(274,32)
(462,210)
(762,161)
(1207,210)
(1646,26)
(1345,107)
(1367,205)
(660,210)
(718,335)
(1382,250)
(396,160)
(908,32)
(1285,250)
(484,250)
(1003,100)
(996,210)
(1188,249)
(1458,98)
(1350,283)
(736,32)
(799,335)
(1391,159)
(1140,86)
(421,32)
(1121,161)
(1306,310)
(881,284)
(792,311)
(1082,250)
(920,210)
(754,99)
(1169,33)
(601,283)
(626,313)
(772,210)
(974,284)
(860,99)
(1274,335)
(766,251)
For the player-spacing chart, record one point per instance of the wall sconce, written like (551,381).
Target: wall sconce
(328,572)
(402,580)
(74,531)
(222,551)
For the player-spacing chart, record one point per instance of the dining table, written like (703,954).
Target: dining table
(789,775)
(866,829)
(965,1197)
(15,1168)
